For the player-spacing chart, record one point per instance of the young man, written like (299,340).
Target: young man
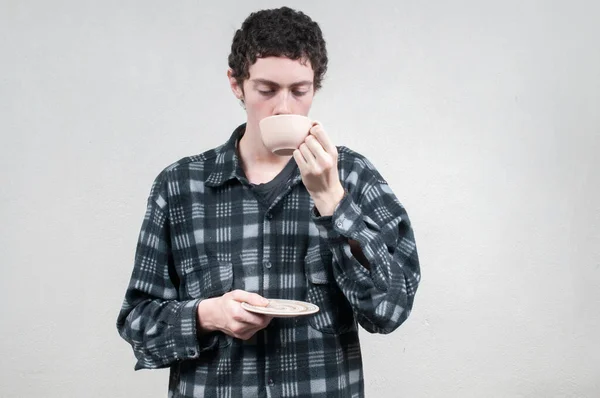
(240,224)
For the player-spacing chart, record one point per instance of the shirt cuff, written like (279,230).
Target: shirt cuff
(190,340)
(344,223)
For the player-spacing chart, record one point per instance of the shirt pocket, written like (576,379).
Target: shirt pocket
(208,279)
(335,314)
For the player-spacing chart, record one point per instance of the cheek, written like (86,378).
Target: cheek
(305,103)
(258,108)
(263,107)
(256,102)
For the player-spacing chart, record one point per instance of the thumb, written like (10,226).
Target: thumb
(250,298)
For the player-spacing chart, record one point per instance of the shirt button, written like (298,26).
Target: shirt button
(267,264)
(339,224)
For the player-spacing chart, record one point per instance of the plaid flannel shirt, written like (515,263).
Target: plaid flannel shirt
(205,233)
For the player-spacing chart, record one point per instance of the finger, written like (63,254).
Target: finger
(244,318)
(300,161)
(319,133)
(309,157)
(248,333)
(266,320)
(259,321)
(250,298)
(315,147)
(242,331)
(252,320)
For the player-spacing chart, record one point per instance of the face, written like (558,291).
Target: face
(276,85)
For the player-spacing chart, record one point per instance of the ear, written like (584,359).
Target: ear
(235,87)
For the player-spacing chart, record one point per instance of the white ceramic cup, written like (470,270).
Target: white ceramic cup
(283,134)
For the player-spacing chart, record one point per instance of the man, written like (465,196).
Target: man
(240,224)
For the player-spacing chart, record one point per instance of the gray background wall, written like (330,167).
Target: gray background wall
(484,117)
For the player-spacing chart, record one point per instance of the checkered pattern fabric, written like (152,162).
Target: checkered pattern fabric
(205,233)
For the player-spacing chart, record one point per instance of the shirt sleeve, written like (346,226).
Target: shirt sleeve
(160,328)
(383,295)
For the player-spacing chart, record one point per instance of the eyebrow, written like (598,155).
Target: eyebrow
(274,84)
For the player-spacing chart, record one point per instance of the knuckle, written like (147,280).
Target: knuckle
(238,329)
(237,315)
(237,318)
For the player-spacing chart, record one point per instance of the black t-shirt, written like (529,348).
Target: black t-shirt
(269,191)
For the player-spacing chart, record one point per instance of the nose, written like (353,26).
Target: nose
(283,106)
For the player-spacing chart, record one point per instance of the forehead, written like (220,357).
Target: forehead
(281,70)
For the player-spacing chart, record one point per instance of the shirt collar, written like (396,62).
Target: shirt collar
(227,162)
(228,165)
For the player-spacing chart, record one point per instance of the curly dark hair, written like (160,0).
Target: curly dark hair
(278,32)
